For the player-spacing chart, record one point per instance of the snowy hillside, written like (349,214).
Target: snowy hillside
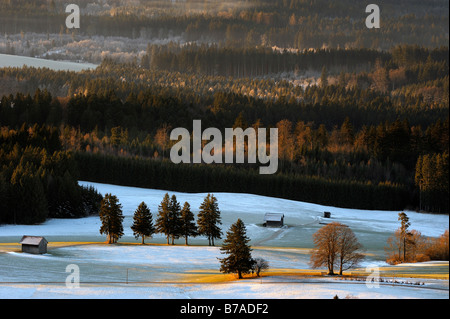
(302,219)
(286,249)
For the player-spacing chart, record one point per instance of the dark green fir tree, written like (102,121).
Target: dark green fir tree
(143,222)
(187,225)
(235,245)
(209,219)
(174,218)
(163,220)
(111,217)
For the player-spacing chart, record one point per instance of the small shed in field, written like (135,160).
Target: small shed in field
(34,244)
(274,220)
(326,214)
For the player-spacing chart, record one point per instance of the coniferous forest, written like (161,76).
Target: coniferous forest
(362,117)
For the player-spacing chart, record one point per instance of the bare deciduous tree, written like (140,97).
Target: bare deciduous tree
(325,243)
(348,247)
(335,245)
(259,265)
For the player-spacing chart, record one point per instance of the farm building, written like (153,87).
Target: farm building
(274,220)
(34,244)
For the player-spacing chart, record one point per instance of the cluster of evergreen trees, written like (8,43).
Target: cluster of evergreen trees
(172,220)
(38,179)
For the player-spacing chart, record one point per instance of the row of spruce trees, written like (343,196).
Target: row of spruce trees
(175,222)
(172,220)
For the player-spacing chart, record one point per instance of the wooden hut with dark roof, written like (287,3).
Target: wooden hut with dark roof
(274,220)
(34,244)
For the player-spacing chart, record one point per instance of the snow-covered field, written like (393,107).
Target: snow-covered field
(155,271)
(7,60)
(245,289)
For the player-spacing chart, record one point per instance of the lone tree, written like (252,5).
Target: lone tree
(239,258)
(402,243)
(335,245)
(404,231)
(142,222)
(111,217)
(209,219)
(187,224)
(260,264)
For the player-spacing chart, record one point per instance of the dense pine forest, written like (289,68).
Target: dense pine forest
(362,123)
(353,146)
(39,179)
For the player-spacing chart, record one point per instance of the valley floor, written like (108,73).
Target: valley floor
(129,270)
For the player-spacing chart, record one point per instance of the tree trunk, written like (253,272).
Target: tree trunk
(330,269)
(404,248)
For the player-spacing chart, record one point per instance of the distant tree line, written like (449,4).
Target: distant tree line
(254,62)
(293,24)
(159,174)
(389,154)
(401,84)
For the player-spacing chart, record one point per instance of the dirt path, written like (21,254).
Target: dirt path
(272,236)
(316,220)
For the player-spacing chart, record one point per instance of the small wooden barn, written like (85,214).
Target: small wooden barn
(274,220)
(34,244)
